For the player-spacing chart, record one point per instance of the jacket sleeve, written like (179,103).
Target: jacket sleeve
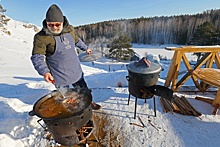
(38,60)
(80,44)
(39,55)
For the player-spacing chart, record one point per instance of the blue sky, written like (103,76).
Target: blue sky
(80,12)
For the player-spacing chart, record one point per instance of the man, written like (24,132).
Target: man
(54,56)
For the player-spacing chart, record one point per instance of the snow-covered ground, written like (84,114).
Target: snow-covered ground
(21,87)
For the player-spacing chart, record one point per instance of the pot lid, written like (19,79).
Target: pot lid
(95,55)
(144,69)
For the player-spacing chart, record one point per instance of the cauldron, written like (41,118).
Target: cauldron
(63,126)
(142,80)
(142,76)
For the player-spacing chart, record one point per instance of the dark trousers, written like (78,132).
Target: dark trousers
(80,84)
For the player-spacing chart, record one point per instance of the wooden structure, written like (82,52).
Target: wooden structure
(207,76)
(211,55)
(210,76)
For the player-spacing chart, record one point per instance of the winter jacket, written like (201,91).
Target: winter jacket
(44,46)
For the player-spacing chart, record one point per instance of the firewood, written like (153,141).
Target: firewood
(153,125)
(191,107)
(162,104)
(137,125)
(181,106)
(141,121)
(204,99)
(165,104)
(169,107)
(188,106)
(176,109)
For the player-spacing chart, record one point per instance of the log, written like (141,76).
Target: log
(169,106)
(216,109)
(180,105)
(162,104)
(176,109)
(195,111)
(207,100)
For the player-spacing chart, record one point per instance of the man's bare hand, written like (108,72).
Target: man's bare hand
(88,51)
(48,77)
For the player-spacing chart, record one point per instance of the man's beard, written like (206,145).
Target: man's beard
(56,31)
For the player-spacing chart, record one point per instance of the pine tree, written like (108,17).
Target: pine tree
(120,48)
(205,34)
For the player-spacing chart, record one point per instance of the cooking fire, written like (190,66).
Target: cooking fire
(70,122)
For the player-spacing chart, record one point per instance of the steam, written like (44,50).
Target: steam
(74,101)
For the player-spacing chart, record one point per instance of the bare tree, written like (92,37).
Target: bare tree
(2,10)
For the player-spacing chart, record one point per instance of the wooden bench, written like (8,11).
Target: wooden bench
(210,76)
(180,54)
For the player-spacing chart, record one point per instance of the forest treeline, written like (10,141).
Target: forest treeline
(153,30)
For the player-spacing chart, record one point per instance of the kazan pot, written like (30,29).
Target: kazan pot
(63,126)
(142,76)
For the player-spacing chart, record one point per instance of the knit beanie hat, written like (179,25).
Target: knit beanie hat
(54,14)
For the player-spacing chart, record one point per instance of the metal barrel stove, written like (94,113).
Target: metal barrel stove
(142,76)
(63,119)
(142,79)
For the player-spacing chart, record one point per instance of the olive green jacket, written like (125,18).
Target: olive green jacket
(44,43)
(44,46)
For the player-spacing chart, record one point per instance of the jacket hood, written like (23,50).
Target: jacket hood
(66,27)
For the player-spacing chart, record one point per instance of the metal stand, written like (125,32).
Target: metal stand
(155,113)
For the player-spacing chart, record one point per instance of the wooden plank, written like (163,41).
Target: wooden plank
(217,59)
(171,71)
(216,109)
(210,76)
(183,80)
(191,49)
(203,60)
(170,74)
(176,73)
(217,98)
(186,62)
(196,82)
(187,75)
(207,100)
(207,75)
(209,62)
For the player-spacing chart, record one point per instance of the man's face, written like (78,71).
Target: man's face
(55,27)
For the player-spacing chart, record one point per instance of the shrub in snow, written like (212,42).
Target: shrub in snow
(153,58)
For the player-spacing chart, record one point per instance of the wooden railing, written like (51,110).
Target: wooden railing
(211,56)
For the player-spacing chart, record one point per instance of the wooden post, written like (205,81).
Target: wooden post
(217,98)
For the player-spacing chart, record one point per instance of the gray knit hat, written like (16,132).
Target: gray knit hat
(54,14)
